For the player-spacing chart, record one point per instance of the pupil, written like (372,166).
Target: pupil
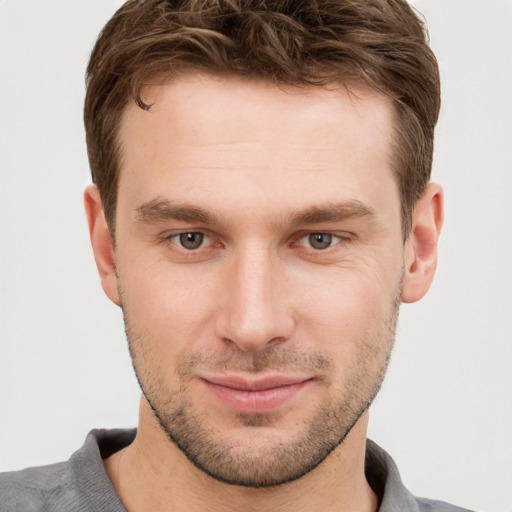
(320,240)
(191,240)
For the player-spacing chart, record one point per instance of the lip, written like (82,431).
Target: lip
(254,396)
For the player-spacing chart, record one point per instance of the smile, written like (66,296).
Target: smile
(255,396)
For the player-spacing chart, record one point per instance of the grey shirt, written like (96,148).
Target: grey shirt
(81,484)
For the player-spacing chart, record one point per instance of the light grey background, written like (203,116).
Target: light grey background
(445,412)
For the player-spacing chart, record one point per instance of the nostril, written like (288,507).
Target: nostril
(253,344)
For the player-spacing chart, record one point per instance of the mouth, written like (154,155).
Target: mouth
(253,396)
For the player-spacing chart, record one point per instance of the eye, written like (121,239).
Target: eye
(190,240)
(320,241)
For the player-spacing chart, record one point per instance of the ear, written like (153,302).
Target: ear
(101,241)
(421,246)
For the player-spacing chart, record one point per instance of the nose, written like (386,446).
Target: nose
(255,311)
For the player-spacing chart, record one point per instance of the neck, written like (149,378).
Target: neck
(153,474)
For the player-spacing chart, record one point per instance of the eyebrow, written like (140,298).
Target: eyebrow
(162,210)
(333,212)
(159,210)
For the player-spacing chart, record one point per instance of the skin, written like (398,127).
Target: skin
(257,170)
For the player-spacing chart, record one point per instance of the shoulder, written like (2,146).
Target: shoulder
(426,505)
(383,476)
(36,489)
(80,484)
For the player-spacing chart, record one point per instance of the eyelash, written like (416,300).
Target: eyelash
(336,238)
(173,238)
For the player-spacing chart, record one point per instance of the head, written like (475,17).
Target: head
(264,167)
(379,43)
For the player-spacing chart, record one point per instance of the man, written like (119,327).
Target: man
(261,206)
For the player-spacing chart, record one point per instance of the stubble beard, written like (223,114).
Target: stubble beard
(247,464)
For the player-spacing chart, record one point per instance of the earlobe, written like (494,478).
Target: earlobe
(101,241)
(420,259)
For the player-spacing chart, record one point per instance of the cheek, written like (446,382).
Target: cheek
(169,308)
(167,317)
(352,320)
(348,304)
(344,293)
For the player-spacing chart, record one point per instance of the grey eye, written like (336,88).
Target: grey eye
(320,240)
(191,240)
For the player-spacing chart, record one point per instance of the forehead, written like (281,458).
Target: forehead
(206,137)
(195,101)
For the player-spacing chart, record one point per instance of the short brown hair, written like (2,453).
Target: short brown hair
(381,43)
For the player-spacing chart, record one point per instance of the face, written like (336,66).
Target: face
(259,260)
